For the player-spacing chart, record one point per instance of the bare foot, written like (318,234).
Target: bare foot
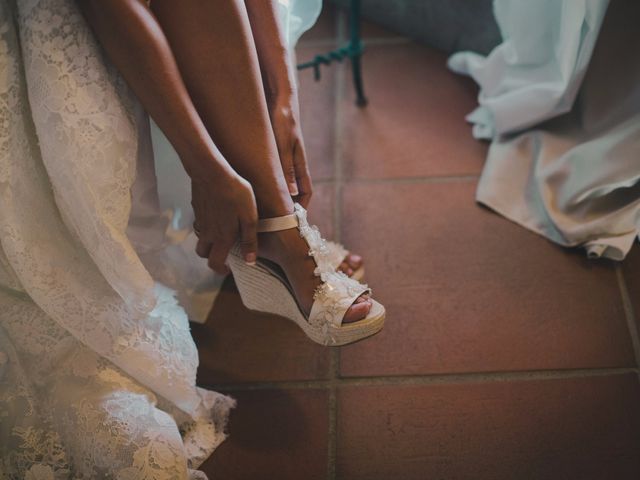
(290,252)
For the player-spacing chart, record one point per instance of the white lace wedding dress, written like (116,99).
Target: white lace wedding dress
(97,364)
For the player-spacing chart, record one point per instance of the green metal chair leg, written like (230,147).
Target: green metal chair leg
(353,50)
(356,47)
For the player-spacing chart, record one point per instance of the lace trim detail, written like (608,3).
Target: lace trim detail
(337,292)
(338,253)
(318,247)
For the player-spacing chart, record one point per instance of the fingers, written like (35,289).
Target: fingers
(286,160)
(249,238)
(248,245)
(303,178)
(203,248)
(218,256)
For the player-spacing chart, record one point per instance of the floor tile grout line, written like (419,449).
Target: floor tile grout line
(316,43)
(424,179)
(334,353)
(367,41)
(332,434)
(435,379)
(382,41)
(629,313)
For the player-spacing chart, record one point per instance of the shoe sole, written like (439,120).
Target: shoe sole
(263,291)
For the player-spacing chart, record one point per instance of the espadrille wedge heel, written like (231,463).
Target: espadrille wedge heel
(263,289)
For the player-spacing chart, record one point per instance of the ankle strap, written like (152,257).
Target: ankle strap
(275,224)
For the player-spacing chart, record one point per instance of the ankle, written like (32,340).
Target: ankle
(276,206)
(282,246)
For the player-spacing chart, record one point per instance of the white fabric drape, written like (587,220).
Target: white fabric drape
(563,113)
(535,73)
(97,364)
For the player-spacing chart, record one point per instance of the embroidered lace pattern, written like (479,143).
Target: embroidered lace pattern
(97,365)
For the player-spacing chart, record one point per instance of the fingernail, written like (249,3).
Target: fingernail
(293,188)
(250,258)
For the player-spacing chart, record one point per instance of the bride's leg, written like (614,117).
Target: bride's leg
(214,50)
(216,55)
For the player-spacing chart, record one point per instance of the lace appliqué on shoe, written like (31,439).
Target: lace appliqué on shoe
(337,292)
(337,253)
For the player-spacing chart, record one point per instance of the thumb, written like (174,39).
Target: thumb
(285,152)
(249,239)
(302,175)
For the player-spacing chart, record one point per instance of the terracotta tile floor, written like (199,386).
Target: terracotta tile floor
(503,357)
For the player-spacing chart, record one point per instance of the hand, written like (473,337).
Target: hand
(225,212)
(288,134)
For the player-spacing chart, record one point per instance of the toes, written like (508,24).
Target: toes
(344,267)
(359,310)
(362,298)
(350,264)
(354,261)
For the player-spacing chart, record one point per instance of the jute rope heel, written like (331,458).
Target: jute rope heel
(263,289)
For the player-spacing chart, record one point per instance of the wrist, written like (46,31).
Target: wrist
(209,169)
(279,89)
(283,106)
